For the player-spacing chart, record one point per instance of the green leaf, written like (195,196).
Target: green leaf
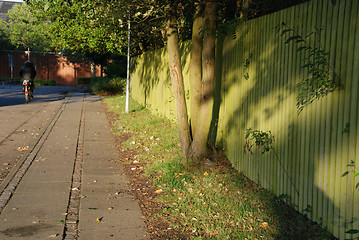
(285,31)
(356,174)
(292,38)
(352,231)
(345,173)
(61,221)
(301,48)
(92,208)
(307,65)
(47,6)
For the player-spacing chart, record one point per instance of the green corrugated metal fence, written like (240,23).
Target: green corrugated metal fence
(315,146)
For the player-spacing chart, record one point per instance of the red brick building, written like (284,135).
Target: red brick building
(49,66)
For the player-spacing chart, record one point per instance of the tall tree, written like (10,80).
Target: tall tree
(177,82)
(96,26)
(202,73)
(25,30)
(96,30)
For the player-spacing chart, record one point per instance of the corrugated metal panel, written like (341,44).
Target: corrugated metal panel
(314,147)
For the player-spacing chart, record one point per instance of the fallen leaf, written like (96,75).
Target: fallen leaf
(23,149)
(159,191)
(53,236)
(92,208)
(264,224)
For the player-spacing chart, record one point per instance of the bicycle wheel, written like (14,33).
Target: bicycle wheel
(27,98)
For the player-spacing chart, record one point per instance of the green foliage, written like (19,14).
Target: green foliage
(13,81)
(352,231)
(38,82)
(246,65)
(117,67)
(354,170)
(94,26)
(25,30)
(107,86)
(346,128)
(283,197)
(44,82)
(261,139)
(321,79)
(82,26)
(84,81)
(5,43)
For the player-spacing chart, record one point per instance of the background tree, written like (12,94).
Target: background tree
(4,40)
(97,30)
(25,30)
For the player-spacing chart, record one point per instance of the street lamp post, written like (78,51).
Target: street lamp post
(128,66)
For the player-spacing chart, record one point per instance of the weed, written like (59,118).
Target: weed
(106,86)
(207,201)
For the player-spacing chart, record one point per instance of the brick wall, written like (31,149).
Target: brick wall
(49,66)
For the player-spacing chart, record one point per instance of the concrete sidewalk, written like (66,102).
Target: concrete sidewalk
(73,188)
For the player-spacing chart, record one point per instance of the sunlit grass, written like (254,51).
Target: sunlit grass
(210,200)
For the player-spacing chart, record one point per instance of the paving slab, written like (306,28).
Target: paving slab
(31,231)
(25,215)
(39,207)
(41,198)
(104,185)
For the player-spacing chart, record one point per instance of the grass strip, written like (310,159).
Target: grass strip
(207,201)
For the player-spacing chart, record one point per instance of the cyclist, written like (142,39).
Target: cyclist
(28,72)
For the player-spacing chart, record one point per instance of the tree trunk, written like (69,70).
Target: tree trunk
(178,85)
(195,67)
(93,69)
(28,54)
(244,9)
(199,147)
